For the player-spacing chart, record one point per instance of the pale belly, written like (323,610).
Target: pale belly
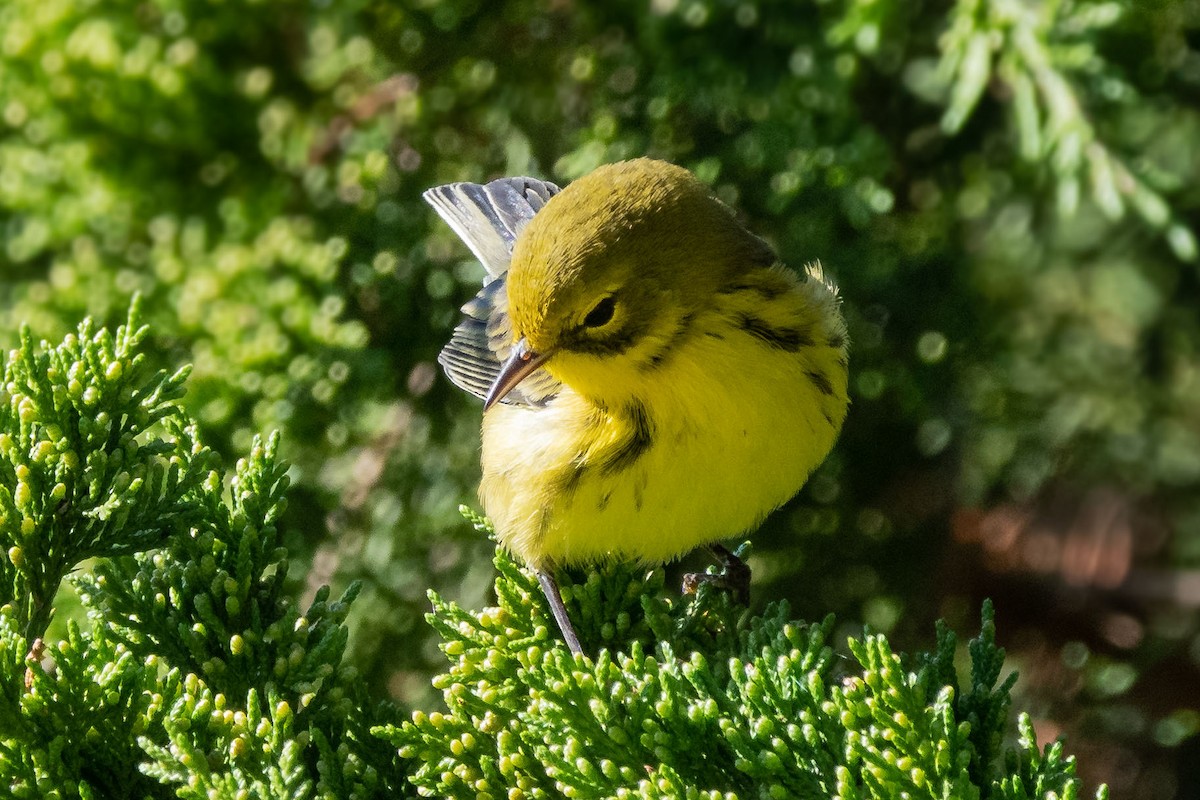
(720,456)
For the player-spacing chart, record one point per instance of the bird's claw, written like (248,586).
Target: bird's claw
(734,576)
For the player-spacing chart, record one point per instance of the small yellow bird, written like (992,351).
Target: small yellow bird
(653,378)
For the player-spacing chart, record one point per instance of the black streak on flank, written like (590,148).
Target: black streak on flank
(821,381)
(788,339)
(837,341)
(573,478)
(640,437)
(603,502)
(568,479)
(543,525)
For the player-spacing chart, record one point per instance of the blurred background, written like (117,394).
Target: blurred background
(1007,191)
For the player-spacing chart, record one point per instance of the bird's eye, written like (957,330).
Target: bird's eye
(601,314)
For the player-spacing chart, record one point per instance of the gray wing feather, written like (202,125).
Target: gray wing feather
(488,219)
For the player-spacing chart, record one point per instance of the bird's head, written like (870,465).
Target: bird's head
(610,274)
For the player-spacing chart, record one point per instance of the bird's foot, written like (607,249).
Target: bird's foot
(734,576)
(559,610)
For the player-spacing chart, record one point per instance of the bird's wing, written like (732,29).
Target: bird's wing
(488,218)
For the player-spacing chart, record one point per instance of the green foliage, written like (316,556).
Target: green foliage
(1033,51)
(75,480)
(58,721)
(197,676)
(196,672)
(1005,191)
(692,697)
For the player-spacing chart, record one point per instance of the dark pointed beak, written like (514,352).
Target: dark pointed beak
(519,365)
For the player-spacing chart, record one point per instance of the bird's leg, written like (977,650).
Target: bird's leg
(734,576)
(550,587)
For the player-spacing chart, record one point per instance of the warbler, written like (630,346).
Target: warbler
(653,378)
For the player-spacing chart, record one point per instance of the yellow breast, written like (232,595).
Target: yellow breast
(708,442)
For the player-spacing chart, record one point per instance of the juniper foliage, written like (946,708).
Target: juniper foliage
(694,697)
(195,674)
(78,476)
(1005,190)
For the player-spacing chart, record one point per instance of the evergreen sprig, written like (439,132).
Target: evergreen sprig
(196,676)
(70,712)
(257,698)
(256,748)
(700,699)
(1041,55)
(81,476)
